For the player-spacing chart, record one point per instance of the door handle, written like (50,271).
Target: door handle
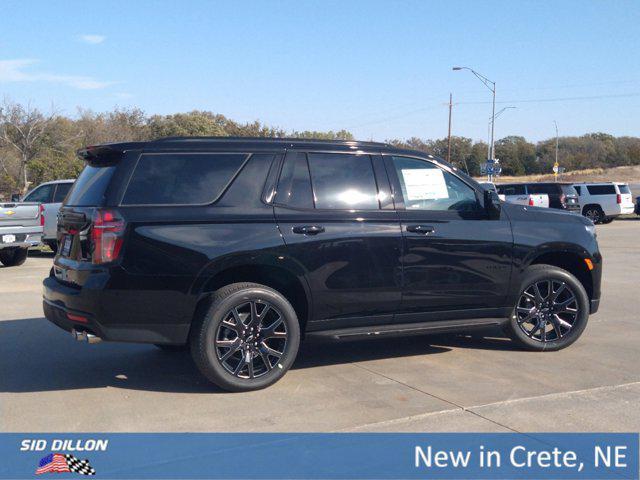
(424,229)
(308,229)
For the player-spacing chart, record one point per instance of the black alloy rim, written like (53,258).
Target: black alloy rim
(251,339)
(547,310)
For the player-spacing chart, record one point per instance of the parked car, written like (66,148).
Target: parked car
(50,195)
(603,202)
(20,228)
(561,195)
(239,248)
(517,193)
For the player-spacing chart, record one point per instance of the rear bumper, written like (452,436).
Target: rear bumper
(24,236)
(83,309)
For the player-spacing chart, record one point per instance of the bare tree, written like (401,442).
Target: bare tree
(22,129)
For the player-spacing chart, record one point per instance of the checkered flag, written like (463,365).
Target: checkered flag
(79,466)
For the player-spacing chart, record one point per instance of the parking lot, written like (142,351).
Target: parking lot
(48,382)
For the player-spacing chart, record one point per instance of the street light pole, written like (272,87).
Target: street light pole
(449,137)
(491,85)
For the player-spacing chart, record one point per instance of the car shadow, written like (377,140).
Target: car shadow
(36,356)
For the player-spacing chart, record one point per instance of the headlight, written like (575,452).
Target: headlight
(591,229)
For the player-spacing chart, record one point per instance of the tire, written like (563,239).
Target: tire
(12,257)
(172,348)
(561,329)
(220,346)
(593,213)
(607,220)
(53,245)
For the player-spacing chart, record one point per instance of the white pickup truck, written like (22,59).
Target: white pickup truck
(20,228)
(515,193)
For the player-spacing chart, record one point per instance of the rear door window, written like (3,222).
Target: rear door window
(61,191)
(181,179)
(41,194)
(89,189)
(343,181)
(601,189)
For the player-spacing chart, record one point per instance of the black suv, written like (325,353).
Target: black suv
(561,195)
(239,247)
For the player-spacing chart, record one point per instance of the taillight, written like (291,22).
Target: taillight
(619,198)
(106,235)
(563,198)
(530,202)
(41,209)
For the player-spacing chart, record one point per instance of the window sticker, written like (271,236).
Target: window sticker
(424,184)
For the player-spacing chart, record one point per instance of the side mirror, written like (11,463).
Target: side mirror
(15,197)
(492,204)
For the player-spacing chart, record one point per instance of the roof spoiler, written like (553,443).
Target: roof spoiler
(100,155)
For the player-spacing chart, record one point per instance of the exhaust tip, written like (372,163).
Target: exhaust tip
(85,337)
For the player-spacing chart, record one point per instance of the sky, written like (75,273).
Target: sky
(381,69)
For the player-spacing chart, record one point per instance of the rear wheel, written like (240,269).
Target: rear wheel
(53,245)
(606,220)
(593,213)
(247,339)
(552,310)
(12,257)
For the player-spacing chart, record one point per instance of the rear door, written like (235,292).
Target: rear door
(336,215)
(455,258)
(626,199)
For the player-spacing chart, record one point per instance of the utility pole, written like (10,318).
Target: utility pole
(556,165)
(449,138)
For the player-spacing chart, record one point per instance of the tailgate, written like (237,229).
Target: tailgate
(19,214)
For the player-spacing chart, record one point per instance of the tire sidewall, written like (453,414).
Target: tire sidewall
(214,317)
(552,273)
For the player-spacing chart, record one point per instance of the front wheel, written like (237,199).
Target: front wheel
(12,257)
(552,309)
(247,339)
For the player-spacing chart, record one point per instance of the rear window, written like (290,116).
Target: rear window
(181,179)
(624,188)
(511,189)
(601,189)
(88,190)
(568,190)
(544,188)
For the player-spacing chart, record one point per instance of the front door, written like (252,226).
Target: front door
(336,215)
(455,258)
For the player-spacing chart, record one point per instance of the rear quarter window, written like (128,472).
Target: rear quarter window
(181,179)
(89,189)
(601,189)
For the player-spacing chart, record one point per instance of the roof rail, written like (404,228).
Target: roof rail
(266,140)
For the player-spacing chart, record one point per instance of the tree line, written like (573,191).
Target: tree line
(37,147)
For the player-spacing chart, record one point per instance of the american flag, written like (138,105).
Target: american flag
(54,462)
(64,463)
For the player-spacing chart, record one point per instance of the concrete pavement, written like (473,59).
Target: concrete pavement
(48,382)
